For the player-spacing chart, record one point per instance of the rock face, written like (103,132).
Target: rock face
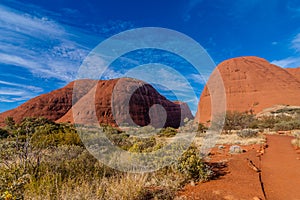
(294,71)
(252,83)
(52,105)
(127,101)
(145,106)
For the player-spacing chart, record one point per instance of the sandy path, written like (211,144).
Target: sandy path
(281,169)
(239,181)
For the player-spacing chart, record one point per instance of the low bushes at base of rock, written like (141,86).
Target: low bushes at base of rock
(248,133)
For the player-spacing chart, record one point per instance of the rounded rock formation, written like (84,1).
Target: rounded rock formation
(252,84)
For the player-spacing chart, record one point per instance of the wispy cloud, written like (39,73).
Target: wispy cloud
(199,78)
(292,61)
(28,87)
(12,92)
(9,95)
(40,45)
(296,43)
(167,80)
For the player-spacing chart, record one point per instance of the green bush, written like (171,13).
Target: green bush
(238,120)
(140,145)
(193,166)
(201,128)
(168,132)
(248,133)
(3,133)
(46,160)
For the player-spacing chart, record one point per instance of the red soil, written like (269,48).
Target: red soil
(280,174)
(281,169)
(237,182)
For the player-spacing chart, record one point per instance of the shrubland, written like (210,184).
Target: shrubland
(41,159)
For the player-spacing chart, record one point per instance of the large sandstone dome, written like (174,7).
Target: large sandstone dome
(145,106)
(52,105)
(253,84)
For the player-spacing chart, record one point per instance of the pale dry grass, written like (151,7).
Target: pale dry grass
(123,187)
(233,139)
(296,141)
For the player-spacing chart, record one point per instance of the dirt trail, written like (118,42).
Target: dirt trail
(237,182)
(280,174)
(281,169)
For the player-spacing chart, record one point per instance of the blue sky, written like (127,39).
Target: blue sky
(43,43)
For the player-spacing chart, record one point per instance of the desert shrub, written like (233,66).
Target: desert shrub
(168,132)
(140,145)
(17,165)
(193,166)
(247,133)
(48,163)
(10,124)
(283,126)
(267,122)
(120,140)
(3,133)
(47,140)
(201,128)
(29,124)
(238,120)
(109,130)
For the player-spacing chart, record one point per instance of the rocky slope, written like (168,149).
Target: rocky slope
(294,71)
(127,101)
(145,104)
(52,105)
(252,83)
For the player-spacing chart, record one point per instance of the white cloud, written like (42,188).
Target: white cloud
(40,45)
(9,95)
(198,78)
(292,61)
(166,80)
(27,24)
(12,92)
(28,87)
(296,43)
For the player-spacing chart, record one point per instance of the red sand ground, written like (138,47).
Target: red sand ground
(280,174)
(281,169)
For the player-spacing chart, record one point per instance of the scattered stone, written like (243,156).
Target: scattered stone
(256,198)
(235,149)
(193,183)
(221,147)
